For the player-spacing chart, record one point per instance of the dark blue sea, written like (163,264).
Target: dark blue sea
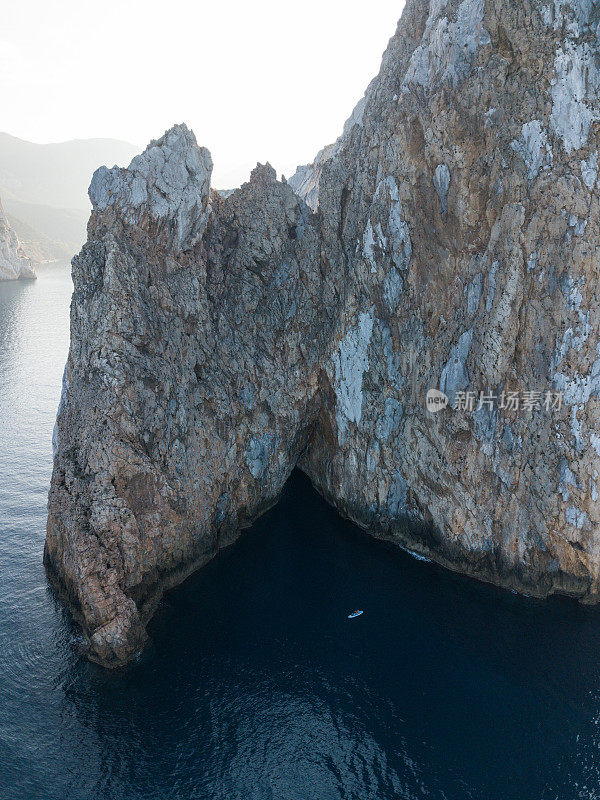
(256,686)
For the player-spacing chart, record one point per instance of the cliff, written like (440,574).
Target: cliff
(13,264)
(447,241)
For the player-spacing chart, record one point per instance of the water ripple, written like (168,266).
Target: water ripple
(255,685)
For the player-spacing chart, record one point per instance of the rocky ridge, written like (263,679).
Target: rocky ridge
(448,240)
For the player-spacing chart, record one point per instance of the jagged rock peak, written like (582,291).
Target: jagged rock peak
(13,264)
(305,181)
(263,174)
(169,181)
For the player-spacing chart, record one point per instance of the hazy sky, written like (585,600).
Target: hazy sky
(257,80)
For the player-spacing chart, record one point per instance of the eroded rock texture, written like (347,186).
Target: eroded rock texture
(13,263)
(449,240)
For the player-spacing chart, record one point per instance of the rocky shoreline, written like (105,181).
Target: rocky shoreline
(13,263)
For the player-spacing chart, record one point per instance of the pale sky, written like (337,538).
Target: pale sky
(256,80)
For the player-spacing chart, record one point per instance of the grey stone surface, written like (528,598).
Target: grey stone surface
(216,342)
(13,263)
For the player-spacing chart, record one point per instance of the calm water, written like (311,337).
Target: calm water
(256,686)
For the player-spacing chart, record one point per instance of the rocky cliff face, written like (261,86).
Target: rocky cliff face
(198,327)
(466,205)
(448,240)
(13,264)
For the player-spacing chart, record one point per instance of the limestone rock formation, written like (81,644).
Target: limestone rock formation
(448,240)
(198,327)
(13,264)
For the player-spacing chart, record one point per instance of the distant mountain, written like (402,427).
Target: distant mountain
(56,175)
(38,247)
(62,224)
(44,190)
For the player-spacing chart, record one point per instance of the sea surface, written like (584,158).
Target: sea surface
(256,686)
